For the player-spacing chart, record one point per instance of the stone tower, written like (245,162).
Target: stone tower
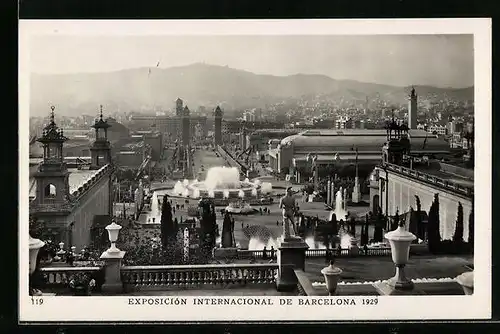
(185,127)
(52,177)
(100,150)
(178,107)
(412,110)
(218,126)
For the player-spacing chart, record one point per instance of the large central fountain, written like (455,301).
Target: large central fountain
(223,184)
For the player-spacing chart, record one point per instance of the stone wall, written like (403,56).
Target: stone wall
(401,194)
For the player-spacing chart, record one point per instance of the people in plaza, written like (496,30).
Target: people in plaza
(264,253)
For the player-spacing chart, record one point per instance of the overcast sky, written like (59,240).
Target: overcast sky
(438,60)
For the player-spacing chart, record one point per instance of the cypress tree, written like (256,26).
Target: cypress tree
(433,226)
(458,236)
(412,228)
(227,239)
(420,228)
(167,227)
(379,223)
(471,229)
(395,221)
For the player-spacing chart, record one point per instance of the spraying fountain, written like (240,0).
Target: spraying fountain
(340,207)
(221,183)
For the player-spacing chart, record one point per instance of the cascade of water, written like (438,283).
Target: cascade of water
(340,212)
(154,205)
(222,177)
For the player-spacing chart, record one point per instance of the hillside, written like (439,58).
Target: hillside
(201,84)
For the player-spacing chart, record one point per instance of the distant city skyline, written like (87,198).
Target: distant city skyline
(399,60)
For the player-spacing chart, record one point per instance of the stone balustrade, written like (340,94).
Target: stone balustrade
(345,252)
(196,276)
(59,277)
(434,180)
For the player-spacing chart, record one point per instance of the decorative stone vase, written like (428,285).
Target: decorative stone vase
(332,274)
(34,247)
(466,280)
(400,241)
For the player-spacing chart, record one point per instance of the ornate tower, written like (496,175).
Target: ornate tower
(185,127)
(52,177)
(218,126)
(178,107)
(100,150)
(412,109)
(397,145)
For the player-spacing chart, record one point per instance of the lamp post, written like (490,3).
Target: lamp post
(332,274)
(312,159)
(113,231)
(34,247)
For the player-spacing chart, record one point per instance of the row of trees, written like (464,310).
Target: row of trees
(457,243)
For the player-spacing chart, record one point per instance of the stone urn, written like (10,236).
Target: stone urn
(332,274)
(466,280)
(34,248)
(400,241)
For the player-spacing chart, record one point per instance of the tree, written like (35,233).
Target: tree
(333,223)
(413,218)
(364,232)
(471,229)
(458,236)
(379,226)
(420,228)
(167,226)
(352,226)
(433,226)
(227,239)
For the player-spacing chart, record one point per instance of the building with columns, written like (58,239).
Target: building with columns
(71,200)
(337,147)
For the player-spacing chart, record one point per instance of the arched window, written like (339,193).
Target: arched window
(50,190)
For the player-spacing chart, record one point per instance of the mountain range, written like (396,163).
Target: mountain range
(204,85)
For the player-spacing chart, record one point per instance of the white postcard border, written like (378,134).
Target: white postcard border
(477,306)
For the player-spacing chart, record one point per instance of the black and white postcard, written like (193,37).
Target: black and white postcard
(281,170)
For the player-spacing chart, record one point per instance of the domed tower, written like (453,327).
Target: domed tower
(100,151)
(218,126)
(52,177)
(185,126)
(412,110)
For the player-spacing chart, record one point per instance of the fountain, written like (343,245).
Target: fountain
(223,185)
(340,207)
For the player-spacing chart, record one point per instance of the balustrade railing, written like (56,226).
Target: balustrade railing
(59,277)
(453,186)
(344,252)
(193,276)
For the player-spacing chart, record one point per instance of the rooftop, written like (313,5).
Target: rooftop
(363,139)
(77,178)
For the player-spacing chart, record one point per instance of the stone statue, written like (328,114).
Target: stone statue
(289,207)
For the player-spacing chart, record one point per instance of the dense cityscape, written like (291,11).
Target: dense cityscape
(368,192)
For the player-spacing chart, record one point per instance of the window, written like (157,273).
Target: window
(50,190)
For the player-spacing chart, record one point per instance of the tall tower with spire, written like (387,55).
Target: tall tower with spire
(412,110)
(218,126)
(100,150)
(52,177)
(186,127)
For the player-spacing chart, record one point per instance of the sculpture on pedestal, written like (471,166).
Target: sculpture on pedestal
(289,208)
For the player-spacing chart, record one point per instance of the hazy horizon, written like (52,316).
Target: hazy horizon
(445,61)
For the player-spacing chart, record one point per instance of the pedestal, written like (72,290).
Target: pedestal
(356,193)
(398,285)
(112,278)
(291,255)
